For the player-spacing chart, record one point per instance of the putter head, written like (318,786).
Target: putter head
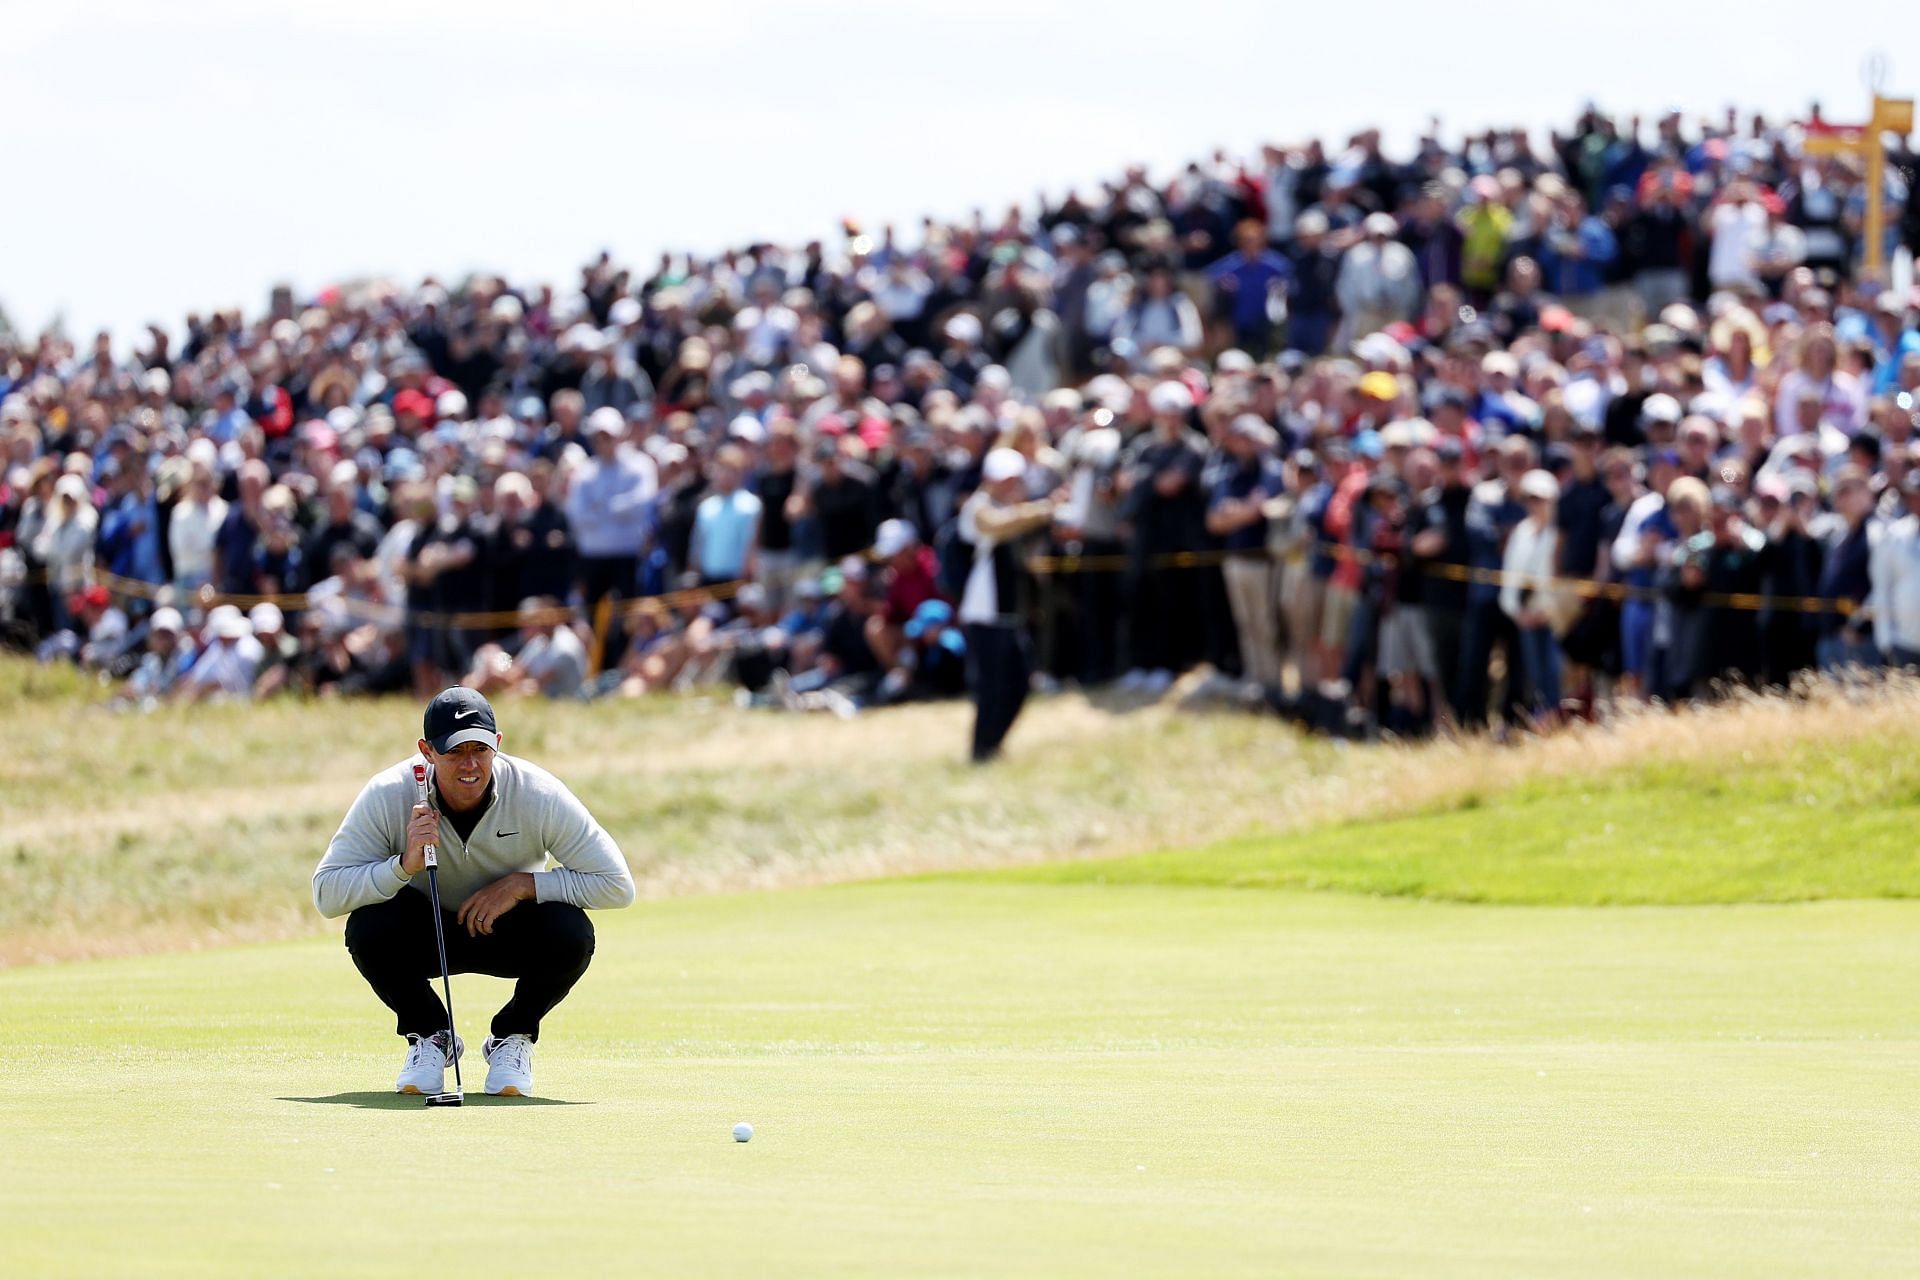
(453,1099)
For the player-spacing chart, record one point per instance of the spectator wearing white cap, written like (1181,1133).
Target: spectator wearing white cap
(1379,282)
(962,357)
(909,576)
(229,657)
(191,528)
(278,649)
(1165,504)
(999,653)
(1529,593)
(169,652)
(1312,306)
(610,501)
(64,543)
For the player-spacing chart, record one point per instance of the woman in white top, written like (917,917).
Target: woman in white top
(1528,593)
(197,517)
(1739,340)
(64,543)
(1817,368)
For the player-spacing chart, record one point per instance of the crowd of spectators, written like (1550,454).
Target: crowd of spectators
(1499,429)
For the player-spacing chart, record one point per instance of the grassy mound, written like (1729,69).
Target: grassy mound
(1815,820)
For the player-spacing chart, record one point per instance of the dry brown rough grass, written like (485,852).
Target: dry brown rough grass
(125,833)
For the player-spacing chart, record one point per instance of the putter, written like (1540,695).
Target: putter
(459,1093)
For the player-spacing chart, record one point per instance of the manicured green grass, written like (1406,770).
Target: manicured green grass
(1008,1079)
(1815,822)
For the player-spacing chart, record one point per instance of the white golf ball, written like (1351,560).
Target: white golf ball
(742,1132)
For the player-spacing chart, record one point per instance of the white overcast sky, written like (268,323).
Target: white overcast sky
(163,157)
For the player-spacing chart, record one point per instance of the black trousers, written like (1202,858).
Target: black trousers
(546,945)
(603,576)
(999,671)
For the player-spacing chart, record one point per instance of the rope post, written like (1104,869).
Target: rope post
(602,623)
(1049,634)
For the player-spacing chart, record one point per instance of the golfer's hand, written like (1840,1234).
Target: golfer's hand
(423,829)
(479,912)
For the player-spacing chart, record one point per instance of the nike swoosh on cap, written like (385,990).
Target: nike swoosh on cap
(470,711)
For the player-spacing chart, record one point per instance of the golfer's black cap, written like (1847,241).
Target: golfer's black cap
(460,715)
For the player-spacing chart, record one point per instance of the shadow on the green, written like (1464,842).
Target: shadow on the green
(384,1101)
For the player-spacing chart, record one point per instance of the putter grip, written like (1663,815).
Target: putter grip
(420,780)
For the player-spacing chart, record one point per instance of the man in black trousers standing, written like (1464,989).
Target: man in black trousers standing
(999,652)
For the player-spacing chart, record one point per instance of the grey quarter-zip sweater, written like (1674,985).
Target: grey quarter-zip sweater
(533,817)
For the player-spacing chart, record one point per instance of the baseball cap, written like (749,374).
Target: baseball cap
(930,614)
(1379,385)
(1002,464)
(226,622)
(1660,407)
(1170,397)
(1540,483)
(460,715)
(893,537)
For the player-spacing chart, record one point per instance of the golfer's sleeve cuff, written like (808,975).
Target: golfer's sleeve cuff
(547,887)
(387,880)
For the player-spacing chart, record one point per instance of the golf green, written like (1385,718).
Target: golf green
(951,1078)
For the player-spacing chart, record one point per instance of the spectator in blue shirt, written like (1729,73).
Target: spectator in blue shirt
(1576,248)
(1246,282)
(726,525)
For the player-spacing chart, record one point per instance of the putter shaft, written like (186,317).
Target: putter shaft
(440,941)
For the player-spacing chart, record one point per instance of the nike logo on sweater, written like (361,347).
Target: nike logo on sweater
(502,835)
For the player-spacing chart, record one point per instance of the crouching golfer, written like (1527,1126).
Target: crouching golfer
(495,820)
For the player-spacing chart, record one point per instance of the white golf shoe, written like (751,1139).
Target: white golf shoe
(509,1065)
(425,1070)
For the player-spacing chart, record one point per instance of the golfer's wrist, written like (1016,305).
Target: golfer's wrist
(400,868)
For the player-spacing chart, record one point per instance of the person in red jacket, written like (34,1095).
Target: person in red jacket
(910,577)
